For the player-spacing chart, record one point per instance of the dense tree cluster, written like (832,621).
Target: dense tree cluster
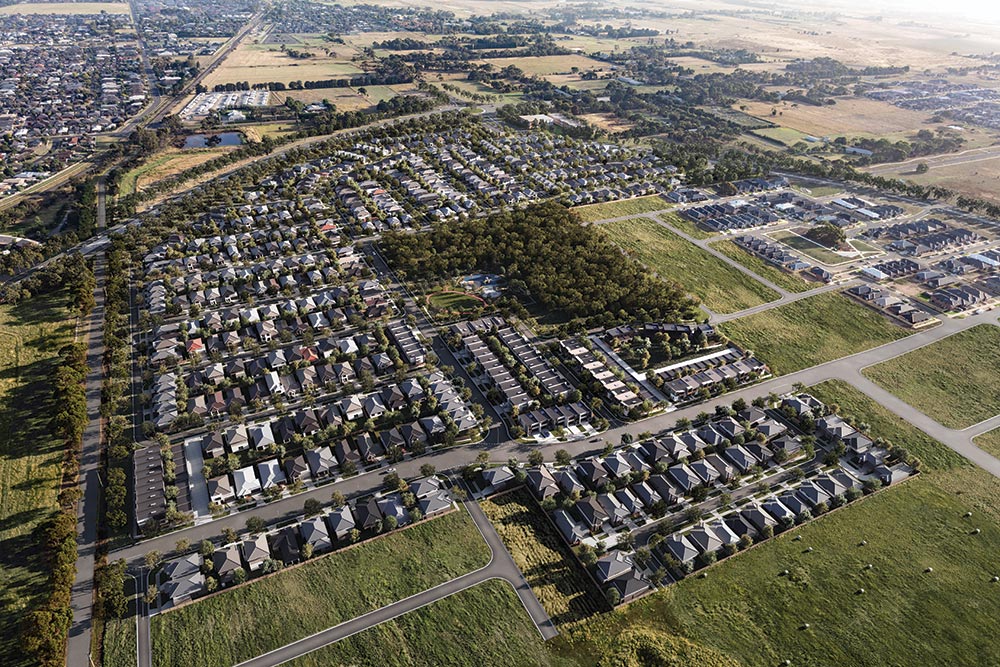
(45,629)
(548,257)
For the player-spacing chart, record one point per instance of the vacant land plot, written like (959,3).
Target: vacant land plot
(722,288)
(790,281)
(989,442)
(262,63)
(66,8)
(976,176)
(564,589)
(167,164)
(953,380)
(266,614)
(783,135)
(809,247)
(485,625)
(745,612)
(31,336)
(811,331)
(607,121)
(119,642)
(686,226)
(854,117)
(546,65)
(619,209)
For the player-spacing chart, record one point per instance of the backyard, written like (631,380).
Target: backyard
(484,625)
(263,615)
(31,336)
(953,380)
(564,589)
(787,337)
(721,287)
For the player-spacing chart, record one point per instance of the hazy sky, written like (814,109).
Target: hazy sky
(986,10)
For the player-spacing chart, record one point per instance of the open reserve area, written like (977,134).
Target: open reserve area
(31,336)
(952,380)
(721,287)
(244,622)
(266,63)
(811,331)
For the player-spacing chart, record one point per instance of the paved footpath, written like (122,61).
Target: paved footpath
(501,566)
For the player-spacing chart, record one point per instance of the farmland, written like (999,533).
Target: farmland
(31,335)
(786,336)
(789,281)
(262,63)
(484,625)
(953,380)
(559,582)
(721,287)
(546,65)
(249,620)
(619,209)
(745,612)
(850,117)
(65,8)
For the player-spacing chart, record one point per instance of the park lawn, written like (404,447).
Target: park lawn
(792,282)
(457,301)
(484,625)
(247,621)
(556,577)
(721,287)
(686,226)
(989,442)
(809,247)
(31,335)
(745,613)
(811,331)
(119,642)
(621,208)
(953,380)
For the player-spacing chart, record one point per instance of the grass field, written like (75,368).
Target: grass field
(783,135)
(484,625)
(686,226)
(811,331)
(721,287)
(166,164)
(119,642)
(253,619)
(564,589)
(989,442)
(66,8)
(618,209)
(808,247)
(261,63)
(746,613)
(790,281)
(854,117)
(455,301)
(953,380)
(546,65)
(30,459)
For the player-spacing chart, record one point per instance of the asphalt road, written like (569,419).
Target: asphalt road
(82,596)
(501,566)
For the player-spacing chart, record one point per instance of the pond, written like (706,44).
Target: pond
(207,140)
